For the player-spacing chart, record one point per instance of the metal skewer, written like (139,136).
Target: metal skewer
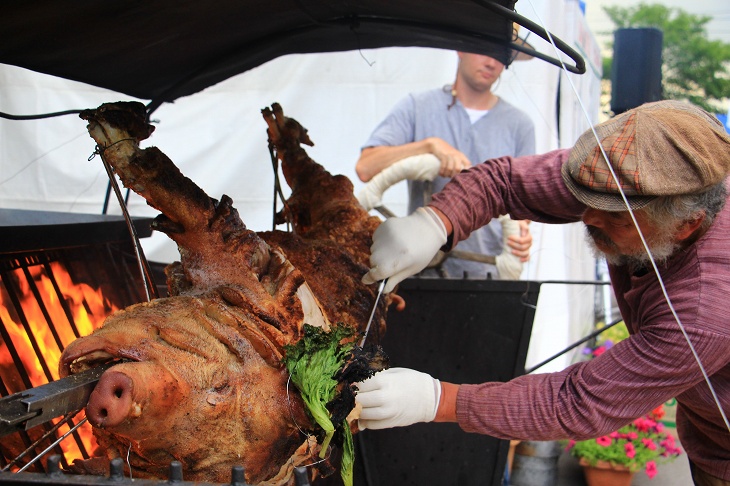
(372,314)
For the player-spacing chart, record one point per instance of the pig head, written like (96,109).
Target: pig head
(197,383)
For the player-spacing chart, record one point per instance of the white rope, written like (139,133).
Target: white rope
(636,225)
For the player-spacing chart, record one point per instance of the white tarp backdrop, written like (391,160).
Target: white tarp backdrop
(218,139)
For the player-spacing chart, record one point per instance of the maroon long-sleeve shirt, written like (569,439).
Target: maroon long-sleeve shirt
(654,364)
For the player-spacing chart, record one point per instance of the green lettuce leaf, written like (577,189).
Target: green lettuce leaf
(313,362)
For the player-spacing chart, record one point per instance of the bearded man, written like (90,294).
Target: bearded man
(666,237)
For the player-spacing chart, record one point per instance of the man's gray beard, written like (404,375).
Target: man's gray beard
(662,246)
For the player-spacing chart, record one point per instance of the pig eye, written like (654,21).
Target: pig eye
(219,393)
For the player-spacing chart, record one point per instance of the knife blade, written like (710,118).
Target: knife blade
(372,313)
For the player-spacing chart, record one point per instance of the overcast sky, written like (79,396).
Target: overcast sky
(717,29)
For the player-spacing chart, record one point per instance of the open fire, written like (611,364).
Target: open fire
(51,296)
(49,312)
(61,275)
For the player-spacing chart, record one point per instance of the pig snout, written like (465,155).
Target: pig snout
(134,398)
(111,401)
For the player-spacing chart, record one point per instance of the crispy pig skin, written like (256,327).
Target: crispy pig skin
(200,378)
(201,393)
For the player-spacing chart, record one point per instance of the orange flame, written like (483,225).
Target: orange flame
(85,310)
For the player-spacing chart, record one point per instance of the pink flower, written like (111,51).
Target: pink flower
(630,450)
(599,351)
(668,441)
(637,445)
(651,469)
(570,445)
(671,451)
(649,444)
(604,441)
(643,424)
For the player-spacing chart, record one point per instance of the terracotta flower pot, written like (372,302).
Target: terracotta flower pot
(605,474)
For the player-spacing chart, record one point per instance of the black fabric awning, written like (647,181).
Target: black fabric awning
(161,50)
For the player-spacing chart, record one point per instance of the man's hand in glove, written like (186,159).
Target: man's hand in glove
(404,246)
(398,397)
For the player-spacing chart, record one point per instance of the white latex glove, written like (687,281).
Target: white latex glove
(508,265)
(397,397)
(404,246)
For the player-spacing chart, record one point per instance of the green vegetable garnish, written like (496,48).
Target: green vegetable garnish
(348,455)
(313,363)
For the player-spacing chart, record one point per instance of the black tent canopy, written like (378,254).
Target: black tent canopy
(161,50)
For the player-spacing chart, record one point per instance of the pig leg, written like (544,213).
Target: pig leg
(213,241)
(321,206)
(215,246)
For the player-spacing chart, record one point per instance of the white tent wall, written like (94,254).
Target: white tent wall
(562,105)
(218,139)
(579,103)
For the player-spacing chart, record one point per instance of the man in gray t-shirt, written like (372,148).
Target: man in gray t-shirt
(462,125)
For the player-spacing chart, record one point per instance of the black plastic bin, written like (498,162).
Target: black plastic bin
(462,331)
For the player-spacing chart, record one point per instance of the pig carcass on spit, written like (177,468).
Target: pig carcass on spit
(200,377)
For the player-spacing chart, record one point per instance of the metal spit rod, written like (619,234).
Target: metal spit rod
(55,476)
(144,266)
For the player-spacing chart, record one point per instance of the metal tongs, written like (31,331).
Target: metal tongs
(372,313)
(26,409)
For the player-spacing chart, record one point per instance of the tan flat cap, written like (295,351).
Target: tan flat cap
(657,149)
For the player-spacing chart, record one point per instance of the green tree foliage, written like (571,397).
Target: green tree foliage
(694,68)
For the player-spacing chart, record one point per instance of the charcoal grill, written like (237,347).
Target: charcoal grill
(54,476)
(94,250)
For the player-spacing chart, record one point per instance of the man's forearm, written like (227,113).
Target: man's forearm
(445,220)
(373,160)
(446,411)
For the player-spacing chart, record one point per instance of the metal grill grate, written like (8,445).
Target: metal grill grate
(41,256)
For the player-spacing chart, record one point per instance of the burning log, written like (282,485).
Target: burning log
(200,377)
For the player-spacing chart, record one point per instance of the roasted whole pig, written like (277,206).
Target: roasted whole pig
(200,377)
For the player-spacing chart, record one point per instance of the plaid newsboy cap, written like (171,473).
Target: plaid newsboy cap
(662,148)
